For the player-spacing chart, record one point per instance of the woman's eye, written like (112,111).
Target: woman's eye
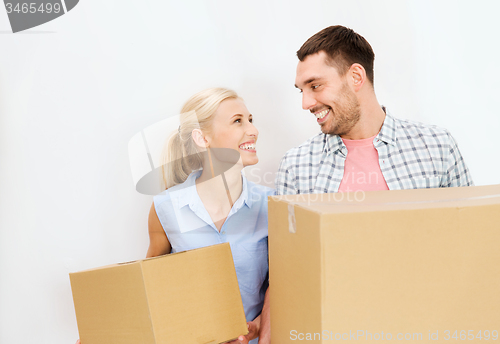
(251,120)
(237,121)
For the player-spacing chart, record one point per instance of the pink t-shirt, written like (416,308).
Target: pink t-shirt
(362,169)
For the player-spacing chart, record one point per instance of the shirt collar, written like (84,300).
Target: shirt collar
(244,197)
(387,134)
(245,193)
(332,143)
(188,195)
(388,131)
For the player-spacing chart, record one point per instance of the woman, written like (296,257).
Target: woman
(201,208)
(208,201)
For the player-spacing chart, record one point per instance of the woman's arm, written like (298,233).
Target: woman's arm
(158,241)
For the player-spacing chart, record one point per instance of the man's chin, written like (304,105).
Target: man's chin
(325,129)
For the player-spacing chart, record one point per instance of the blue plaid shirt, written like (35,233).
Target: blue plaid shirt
(412,155)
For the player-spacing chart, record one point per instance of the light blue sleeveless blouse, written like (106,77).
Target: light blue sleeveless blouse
(188,226)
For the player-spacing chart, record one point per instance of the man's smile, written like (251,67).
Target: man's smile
(321,115)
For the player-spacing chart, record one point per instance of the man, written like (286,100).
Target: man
(361,146)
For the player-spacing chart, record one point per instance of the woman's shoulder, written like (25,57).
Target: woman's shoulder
(162,197)
(176,190)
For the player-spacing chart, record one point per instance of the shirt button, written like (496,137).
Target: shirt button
(224,232)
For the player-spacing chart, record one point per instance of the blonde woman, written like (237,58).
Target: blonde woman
(208,201)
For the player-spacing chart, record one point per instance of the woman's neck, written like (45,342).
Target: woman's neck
(219,193)
(219,186)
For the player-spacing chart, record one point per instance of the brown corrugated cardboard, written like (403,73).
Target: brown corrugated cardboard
(187,297)
(410,265)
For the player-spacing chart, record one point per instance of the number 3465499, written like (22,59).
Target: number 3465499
(471,335)
(33,7)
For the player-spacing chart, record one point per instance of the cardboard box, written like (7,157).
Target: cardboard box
(412,265)
(186,297)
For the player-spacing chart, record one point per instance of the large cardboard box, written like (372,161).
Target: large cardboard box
(187,297)
(413,265)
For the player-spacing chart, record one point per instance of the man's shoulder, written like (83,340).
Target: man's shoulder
(313,144)
(414,130)
(420,127)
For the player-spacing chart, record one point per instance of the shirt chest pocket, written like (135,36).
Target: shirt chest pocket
(251,264)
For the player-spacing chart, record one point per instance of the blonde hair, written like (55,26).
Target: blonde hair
(181,156)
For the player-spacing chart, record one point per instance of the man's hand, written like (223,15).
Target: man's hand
(253,332)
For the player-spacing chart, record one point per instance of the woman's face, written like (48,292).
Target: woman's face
(232,127)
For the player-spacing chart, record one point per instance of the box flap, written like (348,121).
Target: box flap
(295,277)
(395,199)
(130,262)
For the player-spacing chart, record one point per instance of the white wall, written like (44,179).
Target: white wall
(75,90)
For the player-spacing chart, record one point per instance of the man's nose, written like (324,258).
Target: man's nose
(308,101)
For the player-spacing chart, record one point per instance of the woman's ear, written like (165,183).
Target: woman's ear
(198,138)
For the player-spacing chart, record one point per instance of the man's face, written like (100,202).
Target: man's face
(327,95)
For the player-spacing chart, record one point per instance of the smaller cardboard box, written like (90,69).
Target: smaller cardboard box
(186,297)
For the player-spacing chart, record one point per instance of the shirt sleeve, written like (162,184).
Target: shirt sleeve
(457,172)
(285,179)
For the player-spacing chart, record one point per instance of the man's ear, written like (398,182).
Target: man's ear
(198,138)
(358,76)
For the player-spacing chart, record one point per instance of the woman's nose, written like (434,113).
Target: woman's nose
(252,130)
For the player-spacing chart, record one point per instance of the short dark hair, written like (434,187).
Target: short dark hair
(343,47)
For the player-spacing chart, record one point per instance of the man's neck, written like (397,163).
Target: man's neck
(370,123)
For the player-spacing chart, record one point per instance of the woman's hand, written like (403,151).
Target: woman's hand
(253,332)
(78,342)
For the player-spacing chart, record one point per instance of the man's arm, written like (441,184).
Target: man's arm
(457,172)
(265,321)
(285,179)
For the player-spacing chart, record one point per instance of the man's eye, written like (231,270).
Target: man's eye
(314,87)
